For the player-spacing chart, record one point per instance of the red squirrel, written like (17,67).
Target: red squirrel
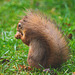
(47,46)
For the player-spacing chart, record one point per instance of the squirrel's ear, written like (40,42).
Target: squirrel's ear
(26,16)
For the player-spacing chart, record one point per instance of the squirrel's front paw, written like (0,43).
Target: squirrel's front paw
(18,35)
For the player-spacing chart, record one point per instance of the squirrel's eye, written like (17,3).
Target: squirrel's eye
(19,24)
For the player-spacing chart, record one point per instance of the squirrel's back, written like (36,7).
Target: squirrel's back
(57,50)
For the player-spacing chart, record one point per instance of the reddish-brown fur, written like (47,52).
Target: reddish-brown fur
(47,47)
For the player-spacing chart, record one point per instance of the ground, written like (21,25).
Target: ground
(13,52)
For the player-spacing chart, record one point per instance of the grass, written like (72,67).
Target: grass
(14,52)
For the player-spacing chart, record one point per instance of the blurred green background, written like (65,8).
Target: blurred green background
(14,52)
